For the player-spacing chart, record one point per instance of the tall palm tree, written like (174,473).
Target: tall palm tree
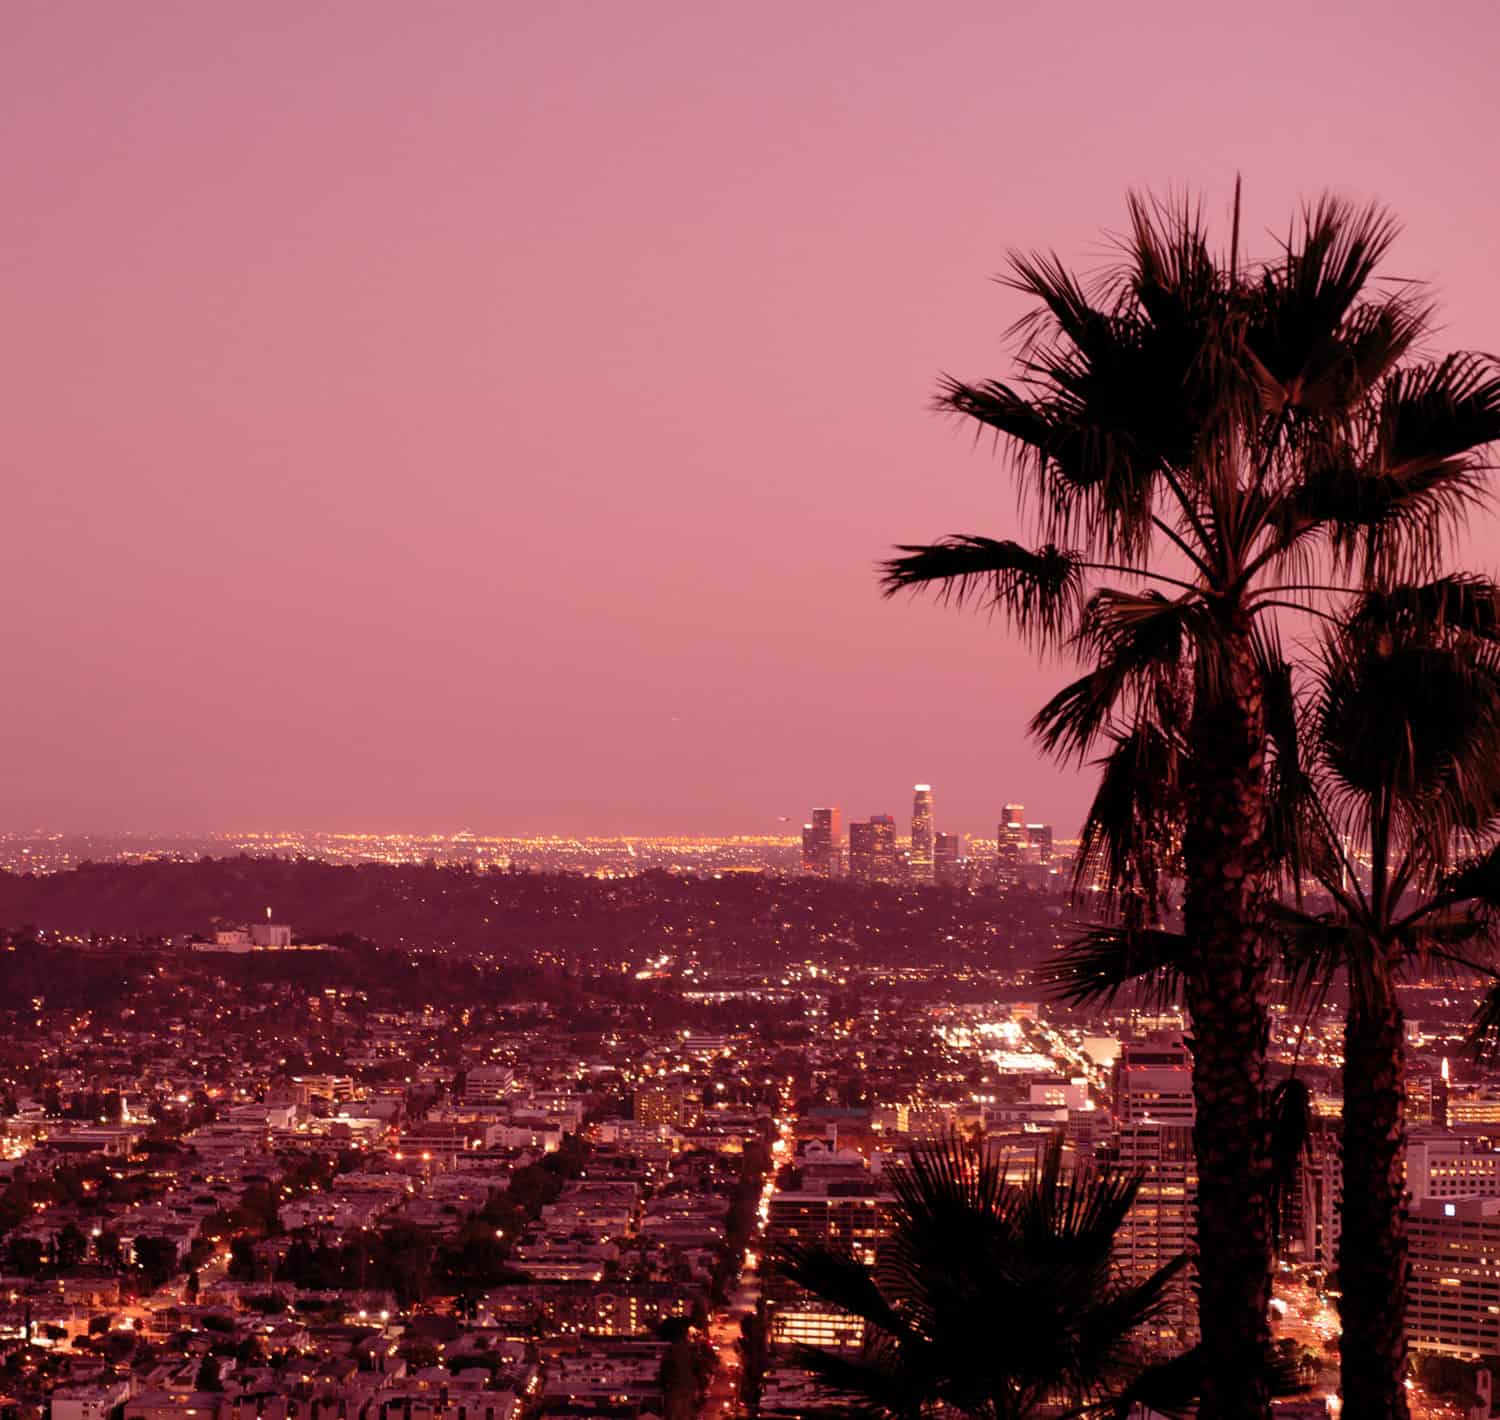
(1387,764)
(988,1299)
(1403,767)
(1236,437)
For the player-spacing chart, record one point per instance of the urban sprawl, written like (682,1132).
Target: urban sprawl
(249,1172)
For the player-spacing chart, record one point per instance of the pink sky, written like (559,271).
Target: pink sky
(486,415)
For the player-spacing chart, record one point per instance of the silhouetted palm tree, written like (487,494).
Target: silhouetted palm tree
(1384,766)
(988,1298)
(1402,766)
(1238,436)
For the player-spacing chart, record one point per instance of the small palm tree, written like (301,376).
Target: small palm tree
(1384,767)
(1238,438)
(988,1298)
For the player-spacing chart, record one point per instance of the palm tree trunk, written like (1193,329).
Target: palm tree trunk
(1226,996)
(1372,1241)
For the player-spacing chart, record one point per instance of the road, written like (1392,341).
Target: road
(723,1398)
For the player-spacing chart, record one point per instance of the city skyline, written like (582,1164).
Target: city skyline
(785,826)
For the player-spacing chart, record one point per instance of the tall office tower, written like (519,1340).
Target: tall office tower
(1159,1225)
(821,851)
(921,860)
(1154,1082)
(872,849)
(885,846)
(948,851)
(1453,1295)
(1039,844)
(1153,1139)
(1010,845)
(862,851)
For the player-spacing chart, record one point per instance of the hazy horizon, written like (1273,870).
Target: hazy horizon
(790,832)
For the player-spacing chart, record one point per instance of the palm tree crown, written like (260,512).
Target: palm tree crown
(988,1298)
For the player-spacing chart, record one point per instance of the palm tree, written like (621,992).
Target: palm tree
(1384,765)
(989,1299)
(1404,765)
(1237,437)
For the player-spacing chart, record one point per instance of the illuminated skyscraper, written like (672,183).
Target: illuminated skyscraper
(921,862)
(821,850)
(1153,1140)
(948,853)
(1011,842)
(885,846)
(1159,1225)
(872,849)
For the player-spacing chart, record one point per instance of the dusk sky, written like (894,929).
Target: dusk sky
(482,415)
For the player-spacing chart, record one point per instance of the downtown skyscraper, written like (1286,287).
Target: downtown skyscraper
(872,849)
(822,851)
(920,863)
(949,853)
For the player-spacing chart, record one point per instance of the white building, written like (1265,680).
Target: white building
(88,1402)
(1154,1082)
(1444,1165)
(1453,1299)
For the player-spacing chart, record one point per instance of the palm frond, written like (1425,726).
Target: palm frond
(1039,590)
(876,1382)
(1171,1388)
(1439,417)
(1414,727)
(1063,310)
(837,1277)
(1168,1388)
(1380,524)
(1101,962)
(1460,604)
(1313,948)
(1069,1218)
(1389,503)
(1294,844)
(1314,344)
(1128,844)
(1118,385)
(1088,468)
(1477,881)
(1107,1329)
(1137,645)
(1483,1038)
